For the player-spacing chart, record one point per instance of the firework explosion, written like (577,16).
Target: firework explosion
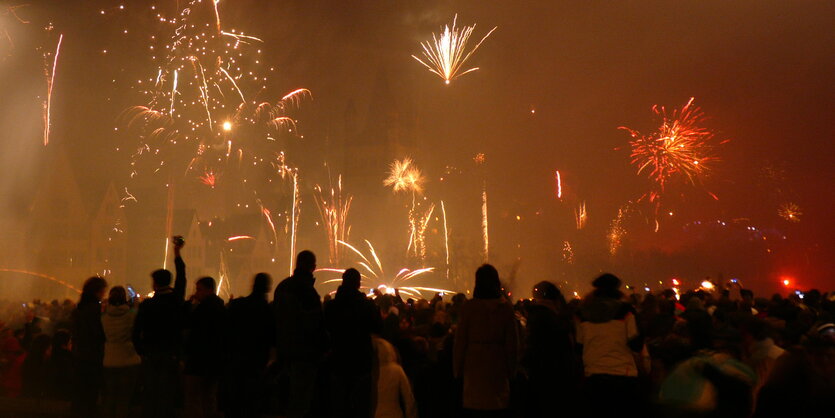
(376,278)
(681,148)
(446,54)
(404,176)
(334,212)
(790,212)
(204,101)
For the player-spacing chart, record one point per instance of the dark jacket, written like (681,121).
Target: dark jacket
(204,345)
(62,376)
(351,318)
(88,335)
(250,334)
(299,320)
(157,331)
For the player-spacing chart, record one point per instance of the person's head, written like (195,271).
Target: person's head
(93,290)
(203,288)
(351,279)
(61,340)
(118,296)
(546,290)
(607,285)
(161,278)
(306,261)
(487,284)
(261,284)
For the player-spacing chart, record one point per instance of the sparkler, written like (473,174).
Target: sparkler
(446,54)
(790,212)
(334,213)
(374,273)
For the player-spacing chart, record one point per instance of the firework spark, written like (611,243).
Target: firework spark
(446,54)
(559,184)
(334,213)
(581,216)
(790,212)
(375,275)
(682,148)
(239,237)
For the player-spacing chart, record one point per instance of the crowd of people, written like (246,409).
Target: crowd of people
(705,353)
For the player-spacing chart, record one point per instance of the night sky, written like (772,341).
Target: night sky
(556,80)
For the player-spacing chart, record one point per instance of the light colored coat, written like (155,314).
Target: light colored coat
(118,329)
(394,393)
(485,353)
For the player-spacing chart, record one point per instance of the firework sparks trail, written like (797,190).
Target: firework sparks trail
(485,235)
(239,237)
(11,10)
(446,54)
(446,239)
(581,216)
(294,219)
(404,176)
(559,184)
(169,221)
(375,274)
(790,212)
(417,224)
(50,82)
(43,276)
(334,213)
(617,231)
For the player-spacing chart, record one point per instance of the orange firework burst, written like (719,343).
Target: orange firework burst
(681,148)
(209,178)
(790,212)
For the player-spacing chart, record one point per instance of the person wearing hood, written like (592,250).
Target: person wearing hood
(301,339)
(393,393)
(608,336)
(351,318)
(121,362)
(549,358)
(204,349)
(485,348)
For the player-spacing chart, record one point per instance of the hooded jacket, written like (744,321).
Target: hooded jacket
(118,330)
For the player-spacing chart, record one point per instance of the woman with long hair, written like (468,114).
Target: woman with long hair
(486,344)
(88,347)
